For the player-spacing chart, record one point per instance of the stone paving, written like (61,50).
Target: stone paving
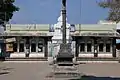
(40,70)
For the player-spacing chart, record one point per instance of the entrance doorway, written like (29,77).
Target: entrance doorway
(33,46)
(21,48)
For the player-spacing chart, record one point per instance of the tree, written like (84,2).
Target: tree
(114,9)
(7,8)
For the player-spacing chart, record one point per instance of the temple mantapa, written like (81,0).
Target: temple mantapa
(43,40)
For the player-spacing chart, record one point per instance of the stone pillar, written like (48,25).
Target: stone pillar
(104,46)
(50,51)
(18,43)
(73,47)
(114,47)
(92,46)
(95,47)
(85,45)
(25,45)
(30,40)
(37,40)
(64,21)
(77,48)
(50,54)
(46,48)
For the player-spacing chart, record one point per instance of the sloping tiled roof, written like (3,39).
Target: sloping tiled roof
(44,28)
(27,30)
(25,34)
(95,28)
(28,27)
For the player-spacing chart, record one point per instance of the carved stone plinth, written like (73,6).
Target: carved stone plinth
(65,53)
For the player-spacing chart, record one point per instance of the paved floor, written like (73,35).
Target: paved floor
(39,71)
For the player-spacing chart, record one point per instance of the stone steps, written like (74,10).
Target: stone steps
(96,59)
(79,59)
(27,59)
(84,62)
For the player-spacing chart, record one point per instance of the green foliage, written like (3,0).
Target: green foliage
(7,8)
(114,9)
(104,5)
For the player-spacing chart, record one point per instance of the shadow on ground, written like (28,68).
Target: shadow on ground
(5,70)
(3,73)
(85,77)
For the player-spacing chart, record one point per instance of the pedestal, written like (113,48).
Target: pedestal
(65,53)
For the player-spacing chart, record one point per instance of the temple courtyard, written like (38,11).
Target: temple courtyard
(40,71)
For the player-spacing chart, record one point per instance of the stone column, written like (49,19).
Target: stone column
(114,47)
(49,49)
(104,46)
(37,40)
(95,47)
(18,43)
(85,45)
(24,45)
(46,48)
(118,56)
(64,21)
(77,49)
(30,40)
(73,47)
(92,46)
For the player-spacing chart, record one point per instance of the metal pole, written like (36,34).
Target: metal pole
(64,21)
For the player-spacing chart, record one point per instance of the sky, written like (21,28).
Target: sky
(48,11)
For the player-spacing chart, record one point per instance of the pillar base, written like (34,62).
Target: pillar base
(64,53)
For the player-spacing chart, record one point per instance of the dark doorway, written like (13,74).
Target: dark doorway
(33,47)
(21,49)
(89,47)
(101,46)
(107,47)
(15,47)
(82,47)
